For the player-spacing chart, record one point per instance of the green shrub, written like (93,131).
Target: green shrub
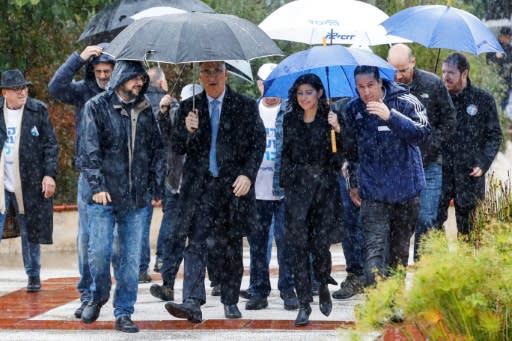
(459,289)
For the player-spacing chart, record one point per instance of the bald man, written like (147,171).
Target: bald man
(432,93)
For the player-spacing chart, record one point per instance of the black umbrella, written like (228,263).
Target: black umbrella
(192,37)
(111,20)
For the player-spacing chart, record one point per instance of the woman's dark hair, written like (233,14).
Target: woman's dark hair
(316,83)
(458,60)
(367,70)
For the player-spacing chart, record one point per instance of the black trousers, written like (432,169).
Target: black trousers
(210,220)
(306,213)
(388,229)
(466,192)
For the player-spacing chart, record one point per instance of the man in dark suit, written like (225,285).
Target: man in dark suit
(224,139)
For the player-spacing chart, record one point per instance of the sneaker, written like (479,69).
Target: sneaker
(216,290)
(256,303)
(244,293)
(162,292)
(158,264)
(144,277)
(314,288)
(290,299)
(79,310)
(352,285)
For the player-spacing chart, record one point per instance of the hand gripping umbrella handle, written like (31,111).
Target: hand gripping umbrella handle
(333,141)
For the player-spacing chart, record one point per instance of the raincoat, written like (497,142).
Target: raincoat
(76,93)
(37,157)
(475,143)
(313,209)
(121,148)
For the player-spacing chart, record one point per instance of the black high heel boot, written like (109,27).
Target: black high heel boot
(303,315)
(324,296)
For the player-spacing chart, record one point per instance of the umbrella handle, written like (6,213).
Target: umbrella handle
(333,141)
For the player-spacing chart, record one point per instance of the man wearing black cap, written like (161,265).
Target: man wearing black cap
(29,165)
(98,70)
(122,162)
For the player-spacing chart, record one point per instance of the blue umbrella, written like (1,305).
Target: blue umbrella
(445,27)
(334,64)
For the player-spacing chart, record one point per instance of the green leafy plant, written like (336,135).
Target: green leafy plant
(460,289)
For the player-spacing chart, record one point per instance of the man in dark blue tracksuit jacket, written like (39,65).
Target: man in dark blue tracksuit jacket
(384,126)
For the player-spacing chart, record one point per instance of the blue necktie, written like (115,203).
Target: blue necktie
(214,119)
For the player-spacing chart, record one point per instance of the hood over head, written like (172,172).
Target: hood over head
(126,70)
(102,58)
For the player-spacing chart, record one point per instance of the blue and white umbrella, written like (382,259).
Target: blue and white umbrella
(443,27)
(334,64)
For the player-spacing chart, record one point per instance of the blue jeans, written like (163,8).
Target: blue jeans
(429,202)
(145,253)
(352,236)
(82,239)
(130,223)
(270,214)
(31,252)
(170,244)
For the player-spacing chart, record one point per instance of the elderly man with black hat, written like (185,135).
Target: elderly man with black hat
(29,166)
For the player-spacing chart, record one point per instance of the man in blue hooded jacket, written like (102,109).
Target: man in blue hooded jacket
(384,127)
(122,161)
(98,70)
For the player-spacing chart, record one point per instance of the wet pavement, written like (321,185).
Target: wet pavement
(48,315)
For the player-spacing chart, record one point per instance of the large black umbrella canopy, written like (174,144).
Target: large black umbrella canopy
(192,37)
(112,19)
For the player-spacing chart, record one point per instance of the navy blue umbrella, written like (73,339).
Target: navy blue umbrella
(334,64)
(446,27)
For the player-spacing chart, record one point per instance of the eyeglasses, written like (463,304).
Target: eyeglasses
(211,73)
(19,89)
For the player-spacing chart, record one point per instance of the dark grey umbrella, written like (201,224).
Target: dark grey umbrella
(111,20)
(192,37)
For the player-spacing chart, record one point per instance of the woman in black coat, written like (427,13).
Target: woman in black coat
(309,176)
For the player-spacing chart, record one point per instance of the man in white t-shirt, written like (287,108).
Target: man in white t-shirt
(270,209)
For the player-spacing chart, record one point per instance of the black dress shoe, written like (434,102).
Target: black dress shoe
(216,290)
(79,310)
(162,292)
(256,303)
(189,310)
(325,299)
(231,311)
(91,311)
(126,325)
(33,284)
(245,294)
(303,315)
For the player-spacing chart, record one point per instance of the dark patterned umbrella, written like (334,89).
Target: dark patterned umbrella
(111,20)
